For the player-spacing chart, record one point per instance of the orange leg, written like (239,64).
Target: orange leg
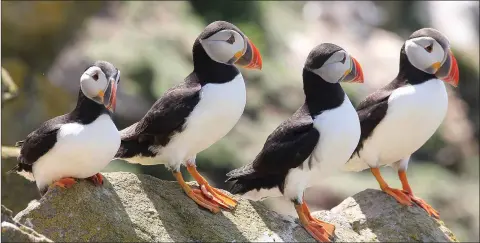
(97,179)
(66,182)
(319,230)
(196,195)
(399,195)
(420,202)
(211,192)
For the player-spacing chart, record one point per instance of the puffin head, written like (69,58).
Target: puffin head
(99,83)
(225,43)
(429,51)
(333,64)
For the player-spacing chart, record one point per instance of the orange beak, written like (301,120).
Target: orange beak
(111,102)
(355,74)
(448,72)
(251,59)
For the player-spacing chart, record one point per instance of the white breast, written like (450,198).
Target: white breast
(414,114)
(80,151)
(219,109)
(339,135)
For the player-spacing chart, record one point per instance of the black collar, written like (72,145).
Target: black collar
(208,70)
(321,95)
(87,110)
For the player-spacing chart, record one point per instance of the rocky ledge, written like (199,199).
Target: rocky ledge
(141,208)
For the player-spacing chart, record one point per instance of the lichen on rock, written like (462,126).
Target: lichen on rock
(141,208)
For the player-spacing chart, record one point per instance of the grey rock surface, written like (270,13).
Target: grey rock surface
(12,231)
(132,207)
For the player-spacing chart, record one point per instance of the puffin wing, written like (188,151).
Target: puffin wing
(286,148)
(370,112)
(38,143)
(373,109)
(166,117)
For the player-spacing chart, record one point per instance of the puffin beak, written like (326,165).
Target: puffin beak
(251,59)
(110,95)
(355,74)
(448,72)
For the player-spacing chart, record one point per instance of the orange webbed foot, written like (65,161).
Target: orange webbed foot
(97,179)
(329,228)
(210,192)
(66,182)
(421,203)
(218,197)
(197,195)
(319,230)
(399,195)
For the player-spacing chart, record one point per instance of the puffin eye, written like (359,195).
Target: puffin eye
(344,58)
(429,48)
(95,77)
(231,40)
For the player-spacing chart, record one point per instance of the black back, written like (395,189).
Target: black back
(287,147)
(40,141)
(169,113)
(165,118)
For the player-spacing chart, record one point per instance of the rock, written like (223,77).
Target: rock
(13,231)
(372,215)
(142,208)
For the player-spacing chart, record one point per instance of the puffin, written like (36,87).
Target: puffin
(325,129)
(79,144)
(399,118)
(196,113)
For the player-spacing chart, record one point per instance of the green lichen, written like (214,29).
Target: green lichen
(448,233)
(451,236)
(414,237)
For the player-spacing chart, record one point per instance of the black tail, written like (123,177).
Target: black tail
(132,148)
(19,143)
(247,179)
(20,167)
(242,186)
(14,169)
(241,177)
(245,184)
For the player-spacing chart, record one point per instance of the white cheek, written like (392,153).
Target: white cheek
(334,71)
(438,55)
(90,87)
(238,45)
(219,51)
(420,58)
(416,55)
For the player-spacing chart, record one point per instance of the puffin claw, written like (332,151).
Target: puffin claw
(421,203)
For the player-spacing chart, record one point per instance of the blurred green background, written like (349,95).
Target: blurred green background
(47,45)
